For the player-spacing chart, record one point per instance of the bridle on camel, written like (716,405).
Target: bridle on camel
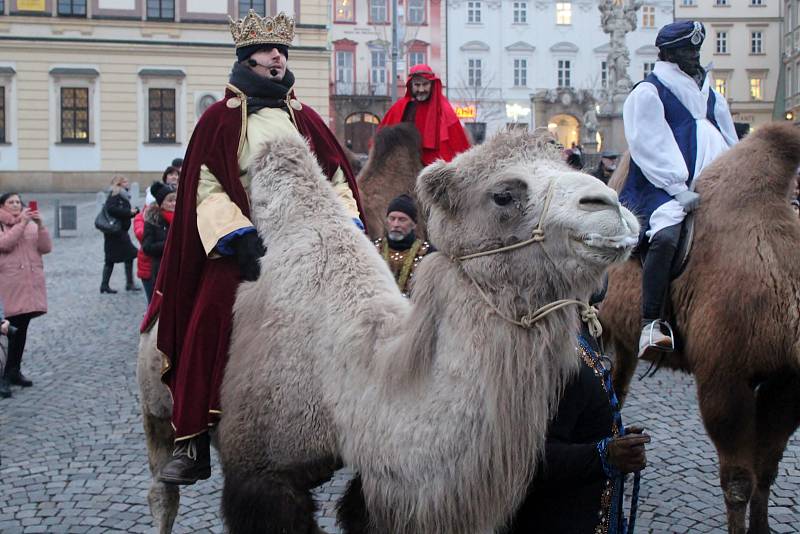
(588,313)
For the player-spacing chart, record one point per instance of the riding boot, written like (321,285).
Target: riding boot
(130,285)
(656,335)
(108,268)
(5,388)
(190,462)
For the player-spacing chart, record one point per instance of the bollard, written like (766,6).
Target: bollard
(57,218)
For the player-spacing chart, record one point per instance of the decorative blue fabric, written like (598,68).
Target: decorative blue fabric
(681,34)
(638,194)
(224,244)
(359,224)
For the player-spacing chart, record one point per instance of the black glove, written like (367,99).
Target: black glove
(248,248)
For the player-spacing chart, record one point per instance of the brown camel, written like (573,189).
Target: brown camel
(737,312)
(392,169)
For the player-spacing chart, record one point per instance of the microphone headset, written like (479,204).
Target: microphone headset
(252,62)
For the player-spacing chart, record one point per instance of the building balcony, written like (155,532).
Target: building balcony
(360,89)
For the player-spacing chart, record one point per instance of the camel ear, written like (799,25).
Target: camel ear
(435,186)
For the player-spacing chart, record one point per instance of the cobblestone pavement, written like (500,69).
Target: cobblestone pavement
(73,454)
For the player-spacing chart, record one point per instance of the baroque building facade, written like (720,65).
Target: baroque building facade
(540,63)
(791,60)
(361,59)
(743,42)
(94,88)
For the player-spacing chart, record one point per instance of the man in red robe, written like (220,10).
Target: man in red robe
(212,244)
(425,105)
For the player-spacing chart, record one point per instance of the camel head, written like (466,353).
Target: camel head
(494,196)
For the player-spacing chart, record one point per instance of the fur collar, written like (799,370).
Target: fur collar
(7,219)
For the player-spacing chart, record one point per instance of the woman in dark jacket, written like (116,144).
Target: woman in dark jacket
(117,246)
(157,219)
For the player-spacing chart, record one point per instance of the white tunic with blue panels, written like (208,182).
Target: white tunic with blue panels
(666,157)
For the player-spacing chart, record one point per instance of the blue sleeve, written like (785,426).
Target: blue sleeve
(224,244)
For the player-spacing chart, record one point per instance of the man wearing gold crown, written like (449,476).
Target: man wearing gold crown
(212,244)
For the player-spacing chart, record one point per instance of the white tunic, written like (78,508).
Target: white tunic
(653,147)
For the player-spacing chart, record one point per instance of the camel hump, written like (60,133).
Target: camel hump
(782,140)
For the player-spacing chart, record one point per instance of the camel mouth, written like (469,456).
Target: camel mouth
(611,248)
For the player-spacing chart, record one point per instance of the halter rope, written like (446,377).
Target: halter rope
(588,313)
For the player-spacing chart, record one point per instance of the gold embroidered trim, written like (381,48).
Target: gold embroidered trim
(408,262)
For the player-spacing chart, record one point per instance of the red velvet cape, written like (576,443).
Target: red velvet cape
(188,281)
(442,134)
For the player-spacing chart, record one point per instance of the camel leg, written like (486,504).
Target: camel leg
(728,412)
(623,370)
(267,502)
(351,511)
(778,416)
(162,498)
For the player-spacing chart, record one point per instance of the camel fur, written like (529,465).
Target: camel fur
(440,404)
(391,170)
(737,307)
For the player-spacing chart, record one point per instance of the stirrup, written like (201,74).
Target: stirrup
(651,343)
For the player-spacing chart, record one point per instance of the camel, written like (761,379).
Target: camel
(741,282)
(391,170)
(441,402)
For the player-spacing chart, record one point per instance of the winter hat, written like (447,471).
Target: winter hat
(160,191)
(404,204)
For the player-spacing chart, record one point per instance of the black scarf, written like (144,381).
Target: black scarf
(403,244)
(261,92)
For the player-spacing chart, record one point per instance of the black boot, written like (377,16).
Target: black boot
(107,270)
(5,388)
(190,462)
(16,378)
(130,285)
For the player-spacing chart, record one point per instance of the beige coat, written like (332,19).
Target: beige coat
(22,286)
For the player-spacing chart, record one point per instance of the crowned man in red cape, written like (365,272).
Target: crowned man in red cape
(212,244)
(425,105)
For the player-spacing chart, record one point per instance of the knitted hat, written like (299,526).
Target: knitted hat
(160,190)
(404,204)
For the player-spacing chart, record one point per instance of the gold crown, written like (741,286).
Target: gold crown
(254,29)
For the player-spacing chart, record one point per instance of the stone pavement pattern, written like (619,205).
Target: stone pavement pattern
(73,453)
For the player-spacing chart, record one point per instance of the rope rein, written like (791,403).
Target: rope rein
(527,321)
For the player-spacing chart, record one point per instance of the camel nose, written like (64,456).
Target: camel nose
(598,201)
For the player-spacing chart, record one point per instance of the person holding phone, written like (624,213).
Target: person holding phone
(24,239)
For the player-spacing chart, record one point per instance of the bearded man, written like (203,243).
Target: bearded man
(425,105)
(212,243)
(675,125)
(400,247)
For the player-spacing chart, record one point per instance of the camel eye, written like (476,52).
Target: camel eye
(502,199)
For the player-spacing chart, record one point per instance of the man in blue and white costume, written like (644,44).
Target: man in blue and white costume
(675,125)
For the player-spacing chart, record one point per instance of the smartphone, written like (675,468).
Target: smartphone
(33,205)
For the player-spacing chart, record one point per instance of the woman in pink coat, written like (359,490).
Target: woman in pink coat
(23,240)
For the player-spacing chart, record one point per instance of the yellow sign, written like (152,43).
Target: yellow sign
(465,112)
(30,5)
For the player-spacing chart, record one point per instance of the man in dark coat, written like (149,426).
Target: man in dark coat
(212,243)
(607,166)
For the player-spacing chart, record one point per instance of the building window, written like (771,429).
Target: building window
(378,72)
(343,11)
(71,8)
(473,12)
(648,16)
(756,40)
(647,68)
(757,3)
(604,74)
(2,7)
(344,72)
(720,2)
(722,42)
(520,72)
(161,9)
(520,12)
(756,89)
(416,12)
(721,86)
(416,58)
(564,73)
(378,12)
(564,13)
(161,115)
(259,6)
(474,72)
(2,113)
(74,114)
(688,3)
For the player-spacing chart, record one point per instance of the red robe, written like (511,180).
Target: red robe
(442,134)
(193,297)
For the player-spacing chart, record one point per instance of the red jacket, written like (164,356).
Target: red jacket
(144,265)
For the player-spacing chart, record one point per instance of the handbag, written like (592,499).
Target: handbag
(106,223)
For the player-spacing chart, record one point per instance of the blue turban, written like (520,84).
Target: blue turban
(681,34)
